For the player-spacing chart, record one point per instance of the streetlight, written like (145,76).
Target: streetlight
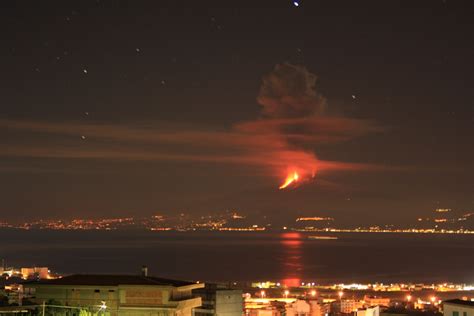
(102,307)
(262,293)
(341,293)
(286,293)
(313,293)
(408,298)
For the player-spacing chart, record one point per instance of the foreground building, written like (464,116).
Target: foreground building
(370,300)
(307,308)
(458,307)
(219,301)
(348,306)
(116,295)
(287,307)
(368,311)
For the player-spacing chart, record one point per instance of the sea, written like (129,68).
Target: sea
(291,257)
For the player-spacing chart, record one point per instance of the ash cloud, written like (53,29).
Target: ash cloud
(289,91)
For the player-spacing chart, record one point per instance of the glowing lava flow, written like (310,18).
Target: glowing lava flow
(292,177)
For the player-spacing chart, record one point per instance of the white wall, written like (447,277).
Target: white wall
(448,310)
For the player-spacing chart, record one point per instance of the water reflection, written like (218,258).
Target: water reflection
(292,266)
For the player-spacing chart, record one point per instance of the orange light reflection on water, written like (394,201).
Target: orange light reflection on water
(292,266)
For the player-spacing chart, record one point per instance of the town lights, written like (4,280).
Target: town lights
(262,293)
(433,299)
(340,294)
(408,298)
(313,293)
(286,293)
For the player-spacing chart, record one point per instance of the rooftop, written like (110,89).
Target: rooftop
(112,280)
(459,302)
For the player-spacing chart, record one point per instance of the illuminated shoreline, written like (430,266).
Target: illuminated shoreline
(215,224)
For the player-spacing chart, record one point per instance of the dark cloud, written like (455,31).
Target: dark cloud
(290,91)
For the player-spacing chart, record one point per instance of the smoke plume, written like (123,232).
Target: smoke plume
(289,91)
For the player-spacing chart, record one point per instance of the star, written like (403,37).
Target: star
(353,97)
(84,71)
(137,50)
(163,82)
(83,137)
(296,3)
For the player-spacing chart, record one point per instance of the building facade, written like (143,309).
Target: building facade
(219,301)
(376,301)
(347,306)
(307,308)
(458,307)
(369,311)
(115,295)
(35,273)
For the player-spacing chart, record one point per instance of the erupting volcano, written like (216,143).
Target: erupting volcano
(291,178)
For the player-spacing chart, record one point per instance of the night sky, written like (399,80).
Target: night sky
(112,108)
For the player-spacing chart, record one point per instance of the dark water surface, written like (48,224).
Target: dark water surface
(230,256)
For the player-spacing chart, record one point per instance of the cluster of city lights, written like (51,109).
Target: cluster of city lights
(392,287)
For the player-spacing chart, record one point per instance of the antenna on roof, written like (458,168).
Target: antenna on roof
(144,271)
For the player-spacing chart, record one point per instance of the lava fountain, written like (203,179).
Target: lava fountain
(291,178)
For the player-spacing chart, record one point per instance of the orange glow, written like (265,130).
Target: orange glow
(291,236)
(292,240)
(291,243)
(316,218)
(292,177)
(291,282)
